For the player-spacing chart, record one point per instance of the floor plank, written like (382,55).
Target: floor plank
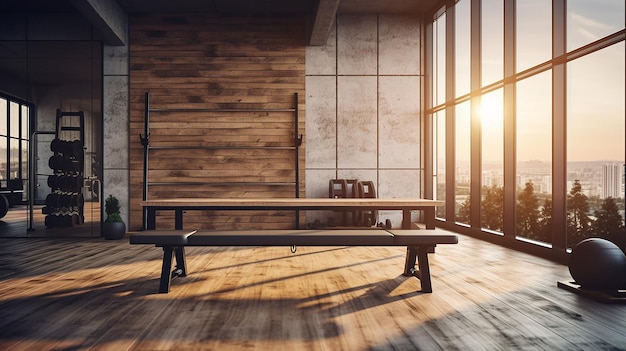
(94,294)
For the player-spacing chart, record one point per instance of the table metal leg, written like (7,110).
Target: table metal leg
(406,219)
(151,218)
(429,217)
(178,219)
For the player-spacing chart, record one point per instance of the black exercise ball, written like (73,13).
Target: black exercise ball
(598,264)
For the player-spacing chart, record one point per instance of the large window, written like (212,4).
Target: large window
(462,174)
(588,21)
(595,146)
(4,140)
(533,23)
(534,158)
(546,166)
(462,48)
(492,147)
(439,60)
(14,131)
(492,41)
(439,160)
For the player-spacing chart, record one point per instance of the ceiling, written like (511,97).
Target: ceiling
(233,6)
(322,12)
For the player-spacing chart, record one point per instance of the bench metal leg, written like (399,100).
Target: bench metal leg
(419,254)
(181,262)
(166,269)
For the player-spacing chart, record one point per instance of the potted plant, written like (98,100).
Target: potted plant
(113,227)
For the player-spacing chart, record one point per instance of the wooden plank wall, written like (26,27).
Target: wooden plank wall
(194,61)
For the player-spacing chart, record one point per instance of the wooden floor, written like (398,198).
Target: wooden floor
(17,223)
(79,294)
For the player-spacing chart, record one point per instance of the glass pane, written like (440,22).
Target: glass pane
(24,159)
(70,74)
(595,144)
(534,24)
(492,41)
(462,168)
(14,119)
(439,60)
(3,117)
(462,48)
(14,158)
(3,159)
(440,160)
(588,21)
(534,158)
(25,119)
(492,131)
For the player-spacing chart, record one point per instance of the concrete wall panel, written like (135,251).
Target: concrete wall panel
(321,123)
(360,174)
(399,184)
(115,122)
(356,122)
(399,121)
(115,158)
(379,108)
(322,60)
(317,187)
(398,45)
(116,58)
(356,44)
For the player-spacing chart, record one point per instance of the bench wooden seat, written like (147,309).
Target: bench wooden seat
(161,237)
(409,237)
(301,237)
(418,242)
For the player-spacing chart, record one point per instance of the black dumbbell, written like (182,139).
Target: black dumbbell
(51,221)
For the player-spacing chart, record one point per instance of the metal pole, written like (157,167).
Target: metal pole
(297,143)
(145,140)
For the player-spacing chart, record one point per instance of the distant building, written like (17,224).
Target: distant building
(612,180)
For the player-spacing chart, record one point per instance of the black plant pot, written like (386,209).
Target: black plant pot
(113,230)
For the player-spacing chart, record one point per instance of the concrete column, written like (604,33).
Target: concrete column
(115,130)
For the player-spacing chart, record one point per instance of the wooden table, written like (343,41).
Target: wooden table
(180,205)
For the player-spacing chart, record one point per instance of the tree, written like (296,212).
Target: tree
(492,208)
(609,223)
(527,212)
(464,212)
(578,221)
(545,222)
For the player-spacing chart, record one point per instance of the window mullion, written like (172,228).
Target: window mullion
(559,127)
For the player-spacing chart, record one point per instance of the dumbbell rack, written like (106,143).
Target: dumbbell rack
(65,203)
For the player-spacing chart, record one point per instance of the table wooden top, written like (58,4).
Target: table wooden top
(295,203)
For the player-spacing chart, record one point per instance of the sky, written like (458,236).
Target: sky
(595,82)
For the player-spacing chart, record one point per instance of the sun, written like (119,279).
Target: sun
(491,110)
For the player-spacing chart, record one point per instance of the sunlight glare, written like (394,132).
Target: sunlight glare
(491,111)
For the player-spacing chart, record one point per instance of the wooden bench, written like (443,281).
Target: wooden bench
(173,242)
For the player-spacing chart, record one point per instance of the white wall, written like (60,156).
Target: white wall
(364,108)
